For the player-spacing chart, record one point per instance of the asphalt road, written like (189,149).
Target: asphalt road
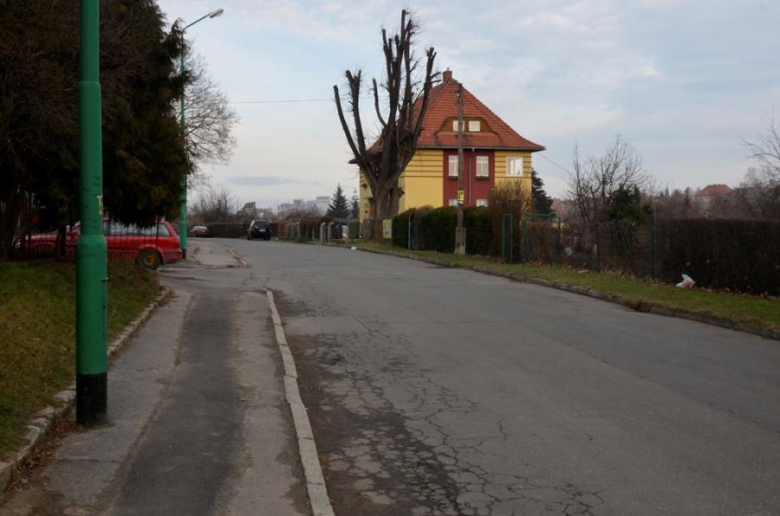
(440,391)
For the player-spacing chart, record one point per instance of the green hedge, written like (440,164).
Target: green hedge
(740,255)
(434,229)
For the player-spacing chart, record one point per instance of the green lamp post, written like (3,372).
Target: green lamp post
(183,216)
(91,269)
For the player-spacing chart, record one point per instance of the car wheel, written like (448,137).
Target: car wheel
(149,259)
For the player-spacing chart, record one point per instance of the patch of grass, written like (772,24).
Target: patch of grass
(638,292)
(38,332)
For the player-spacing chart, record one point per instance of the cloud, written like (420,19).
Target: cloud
(268,181)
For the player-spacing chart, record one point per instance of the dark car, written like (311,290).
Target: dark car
(259,229)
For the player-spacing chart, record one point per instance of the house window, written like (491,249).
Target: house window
(453,166)
(474,126)
(483,167)
(514,166)
(454,202)
(482,203)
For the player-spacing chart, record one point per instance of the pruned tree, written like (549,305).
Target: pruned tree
(594,180)
(209,117)
(407,88)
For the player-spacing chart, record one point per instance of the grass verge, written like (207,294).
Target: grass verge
(736,308)
(38,332)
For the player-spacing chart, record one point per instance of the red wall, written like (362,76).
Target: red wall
(473,188)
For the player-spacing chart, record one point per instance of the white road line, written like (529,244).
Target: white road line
(315,481)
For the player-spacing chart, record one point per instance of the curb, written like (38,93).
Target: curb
(310,459)
(753,329)
(236,256)
(41,423)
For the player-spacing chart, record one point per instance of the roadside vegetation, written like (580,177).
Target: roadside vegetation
(38,332)
(738,308)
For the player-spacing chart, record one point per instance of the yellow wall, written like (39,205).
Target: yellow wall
(501,157)
(423,179)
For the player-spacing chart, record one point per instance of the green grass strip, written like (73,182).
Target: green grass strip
(38,333)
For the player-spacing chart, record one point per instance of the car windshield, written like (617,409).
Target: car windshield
(262,224)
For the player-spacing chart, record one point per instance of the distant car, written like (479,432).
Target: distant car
(150,247)
(259,229)
(200,231)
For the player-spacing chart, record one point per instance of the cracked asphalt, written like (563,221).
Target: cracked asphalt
(435,391)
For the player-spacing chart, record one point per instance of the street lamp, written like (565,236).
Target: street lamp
(183,217)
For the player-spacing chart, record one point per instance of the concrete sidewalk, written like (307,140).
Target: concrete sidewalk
(198,419)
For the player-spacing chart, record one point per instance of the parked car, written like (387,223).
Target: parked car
(259,229)
(150,247)
(200,231)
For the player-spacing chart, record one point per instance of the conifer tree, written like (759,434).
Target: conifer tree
(354,209)
(542,201)
(339,208)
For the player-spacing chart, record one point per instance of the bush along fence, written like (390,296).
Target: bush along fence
(738,255)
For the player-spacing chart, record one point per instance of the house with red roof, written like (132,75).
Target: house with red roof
(493,152)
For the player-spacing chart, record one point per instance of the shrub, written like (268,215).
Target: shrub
(438,229)
(513,198)
(479,230)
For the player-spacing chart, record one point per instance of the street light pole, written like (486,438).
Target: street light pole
(460,231)
(183,216)
(91,268)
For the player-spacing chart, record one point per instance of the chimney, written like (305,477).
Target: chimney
(447,75)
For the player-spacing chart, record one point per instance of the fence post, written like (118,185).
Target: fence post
(409,233)
(652,247)
(598,246)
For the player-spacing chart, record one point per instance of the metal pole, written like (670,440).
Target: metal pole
(91,268)
(460,231)
(652,247)
(183,215)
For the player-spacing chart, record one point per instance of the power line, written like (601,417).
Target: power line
(295,101)
(556,164)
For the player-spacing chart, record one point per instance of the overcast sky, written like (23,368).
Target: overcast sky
(684,81)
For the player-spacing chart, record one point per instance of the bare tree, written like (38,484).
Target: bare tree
(594,179)
(766,150)
(215,204)
(758,196)
(408,90)
(209,117)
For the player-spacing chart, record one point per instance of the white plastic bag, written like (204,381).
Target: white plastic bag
(687,282)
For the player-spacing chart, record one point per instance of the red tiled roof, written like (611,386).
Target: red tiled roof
(443,105)
(718,189)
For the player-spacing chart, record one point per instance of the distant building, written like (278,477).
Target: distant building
(706,198)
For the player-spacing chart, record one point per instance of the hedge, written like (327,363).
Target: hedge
(740,255)
(434,229)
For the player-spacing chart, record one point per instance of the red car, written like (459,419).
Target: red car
(149,247)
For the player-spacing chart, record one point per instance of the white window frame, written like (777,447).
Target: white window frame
(474,126)
(483,166)
(452,165)
(482,203)
(454,203)
(455,126)
(515,166)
